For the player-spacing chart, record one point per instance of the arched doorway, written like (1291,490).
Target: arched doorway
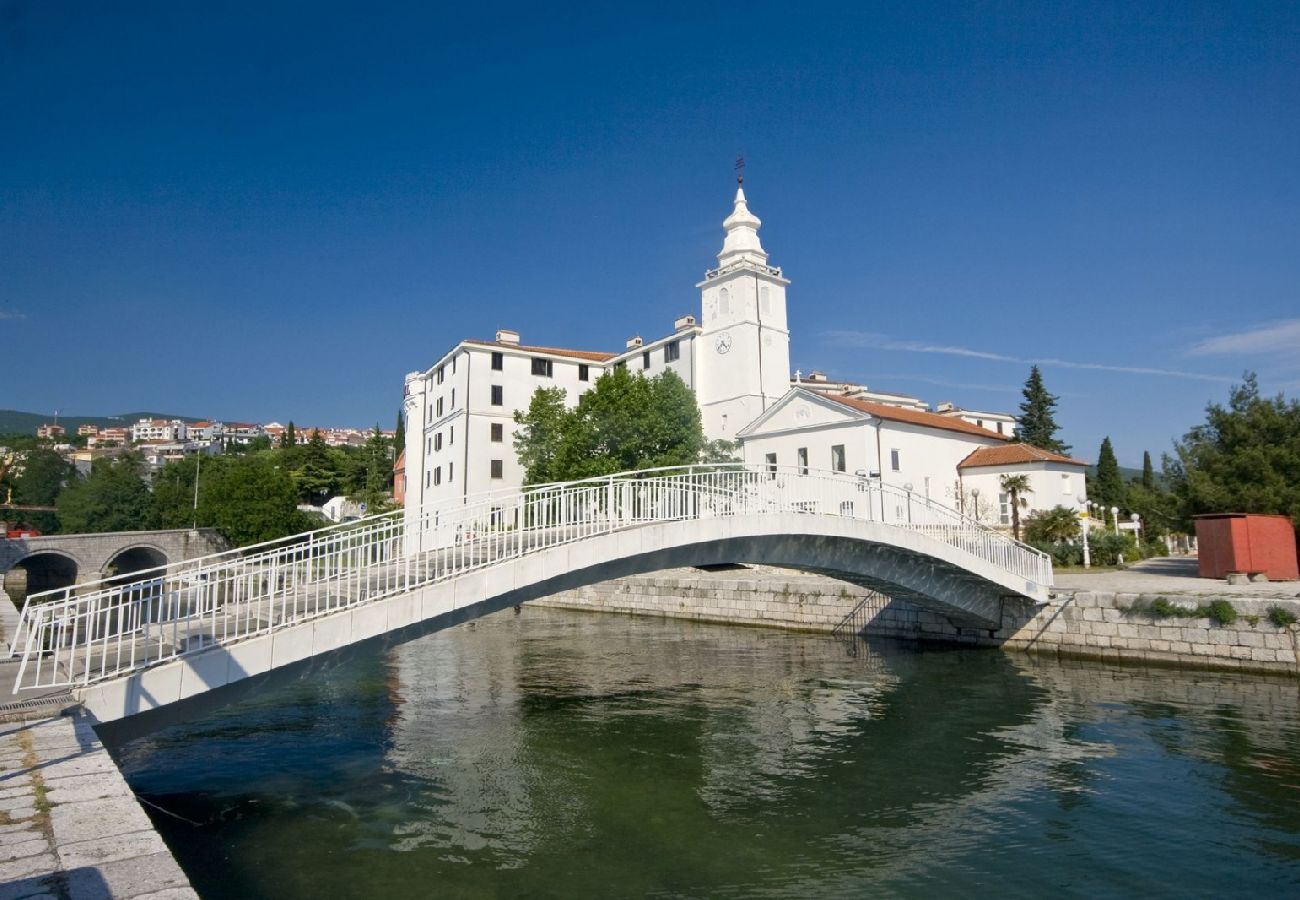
(43,571)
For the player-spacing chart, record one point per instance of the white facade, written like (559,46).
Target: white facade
(159,430)
(735,356)
(1054,480)
(904,448)
(998,423)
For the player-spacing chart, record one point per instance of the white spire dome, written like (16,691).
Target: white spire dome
(742,243)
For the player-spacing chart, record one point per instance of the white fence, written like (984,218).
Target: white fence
(106,628)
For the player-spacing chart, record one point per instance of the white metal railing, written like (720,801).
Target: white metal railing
(106,628)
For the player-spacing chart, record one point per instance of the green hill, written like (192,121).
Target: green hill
(13,421)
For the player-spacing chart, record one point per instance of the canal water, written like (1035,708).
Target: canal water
(556,754)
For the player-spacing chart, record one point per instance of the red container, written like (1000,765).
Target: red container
(1241,542)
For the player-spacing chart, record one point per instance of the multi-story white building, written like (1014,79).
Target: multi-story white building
(735,356)
(998,423)
(154,430)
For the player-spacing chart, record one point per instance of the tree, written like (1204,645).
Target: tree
(318,475)
(1108,484)
(399,434)
(113,497)
(375,472)
(540,432)
(289,437)
(250,500)
(625,422)
(44,473)
(1244,458)
(1015,485)
(720,450)
(1148,474)
(1038,416)
(1052,526)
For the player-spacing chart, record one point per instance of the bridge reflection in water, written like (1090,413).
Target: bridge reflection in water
(573,755)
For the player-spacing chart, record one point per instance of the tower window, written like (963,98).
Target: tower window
(724,302)
(672,351)
(498,395)
(764,302)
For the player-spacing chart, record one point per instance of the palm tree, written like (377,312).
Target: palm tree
(1014,486)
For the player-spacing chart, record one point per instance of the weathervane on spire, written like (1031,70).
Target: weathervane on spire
(740,170)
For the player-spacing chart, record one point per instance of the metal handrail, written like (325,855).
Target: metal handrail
(103,629)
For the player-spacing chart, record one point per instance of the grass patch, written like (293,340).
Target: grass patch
(1281,617)
(1221,612)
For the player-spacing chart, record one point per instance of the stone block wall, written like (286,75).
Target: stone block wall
(1081,624)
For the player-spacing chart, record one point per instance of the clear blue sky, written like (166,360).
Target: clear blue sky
(248,213)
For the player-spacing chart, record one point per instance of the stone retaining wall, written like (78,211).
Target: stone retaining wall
(1091,624)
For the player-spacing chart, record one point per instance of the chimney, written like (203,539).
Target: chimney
(634,342)
(506,336)
(683,322)
(814,375)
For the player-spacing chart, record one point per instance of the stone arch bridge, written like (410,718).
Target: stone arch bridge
(219,624)
(37,564)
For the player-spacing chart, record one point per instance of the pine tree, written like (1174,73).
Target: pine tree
(399,434)
(1107,485)
(1037,416)
(288,438)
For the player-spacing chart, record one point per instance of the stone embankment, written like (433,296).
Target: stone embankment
(1112,625)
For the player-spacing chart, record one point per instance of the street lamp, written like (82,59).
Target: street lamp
(1137,527)
(975,493)
(1114,516)
(1087,556)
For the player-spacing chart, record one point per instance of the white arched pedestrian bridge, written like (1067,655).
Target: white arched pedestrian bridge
(203,624)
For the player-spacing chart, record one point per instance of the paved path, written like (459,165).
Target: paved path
(1173,575)
(70,826)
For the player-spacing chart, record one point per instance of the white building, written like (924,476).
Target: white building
(903,447)
(999,423)
(736,357)
(169,430)
(1054,480)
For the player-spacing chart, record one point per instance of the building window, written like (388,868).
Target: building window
(497,395)
(771,462)
(893,461)
(846,508)
(498,361)
(672,351)
(837,459)
(440,373)
(621,364)
(1066,486)
(451,435)
(584,373)
(498,432)
(802,454)
(437,475)
(1004,509)
(542,367)
(764,304)
(450,469)
(496,469)
(1000,428)
(645,359)
(437,441)
(439,408)
(453,399)
(428,478)
(724,302)
(428,445)
(453,365)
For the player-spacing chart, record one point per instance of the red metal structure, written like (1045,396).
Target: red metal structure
(1242,542)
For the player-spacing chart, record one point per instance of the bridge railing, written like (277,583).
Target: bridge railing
(105,629)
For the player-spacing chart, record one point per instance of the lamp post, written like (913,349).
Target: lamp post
(1137,528)
(908,487)
(198,464)
(975,493)
(1087,522)
(1114,517)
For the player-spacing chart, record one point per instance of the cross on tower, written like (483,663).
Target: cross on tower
(740,170)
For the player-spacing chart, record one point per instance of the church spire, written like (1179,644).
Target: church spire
(742,243)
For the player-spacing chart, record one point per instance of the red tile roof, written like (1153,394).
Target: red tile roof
(1014,454)
(915,417)
(593,355)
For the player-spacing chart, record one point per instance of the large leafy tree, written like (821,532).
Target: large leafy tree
(625,422)
(1038,416)
(251,499)
(1244,458)
(113,497)
(44,473)
(1108,484)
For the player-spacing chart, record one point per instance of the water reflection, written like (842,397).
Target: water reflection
(580,755)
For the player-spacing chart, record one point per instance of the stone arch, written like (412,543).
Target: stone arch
(132,559)
(42,570)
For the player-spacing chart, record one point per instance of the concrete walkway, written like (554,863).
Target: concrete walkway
(1173,575)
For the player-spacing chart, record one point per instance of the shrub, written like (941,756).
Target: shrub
(1222,612)
(1281,617)
(1106,549)
(1052,526)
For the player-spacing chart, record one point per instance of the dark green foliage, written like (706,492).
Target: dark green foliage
(1052,526)
(1148,474)
(318,474)
(113,497)
(720,451)
(43,477)
(399,436)
(1244,458)
(250,499)
(1062,553)
(1107,485)
(1107,548)
(290,436)
(625,422)
(1037,423)
(1221,612)
(1013,486)
(1281,617)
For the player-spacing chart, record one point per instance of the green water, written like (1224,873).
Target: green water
(553,754)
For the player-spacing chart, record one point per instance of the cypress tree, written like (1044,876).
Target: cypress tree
(1037,416)
(1148,473)
(399,434)
(1108,486)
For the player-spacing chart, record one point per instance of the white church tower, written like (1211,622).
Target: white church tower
(744,348)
